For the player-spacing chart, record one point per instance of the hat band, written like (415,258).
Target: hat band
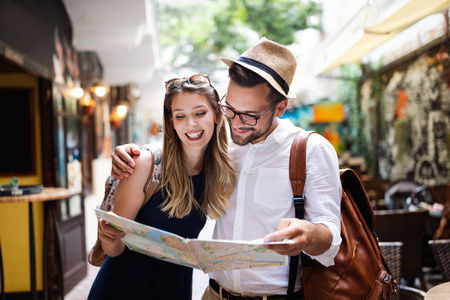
(267,69)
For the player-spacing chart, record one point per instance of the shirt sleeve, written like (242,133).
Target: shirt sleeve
(323,192)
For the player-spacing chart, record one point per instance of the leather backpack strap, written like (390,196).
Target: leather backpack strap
(297,175)
(297,166)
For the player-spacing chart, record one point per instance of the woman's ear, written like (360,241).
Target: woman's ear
(217,116)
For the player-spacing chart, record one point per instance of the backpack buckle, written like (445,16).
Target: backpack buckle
(299,206)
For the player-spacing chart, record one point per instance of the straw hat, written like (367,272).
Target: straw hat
(272,61)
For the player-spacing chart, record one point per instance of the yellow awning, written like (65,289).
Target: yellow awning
(374,24)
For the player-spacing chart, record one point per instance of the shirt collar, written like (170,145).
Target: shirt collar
(280,134)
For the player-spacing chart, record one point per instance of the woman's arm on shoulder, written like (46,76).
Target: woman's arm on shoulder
(130,197)
(130,191)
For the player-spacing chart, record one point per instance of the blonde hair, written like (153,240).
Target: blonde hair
(219,174)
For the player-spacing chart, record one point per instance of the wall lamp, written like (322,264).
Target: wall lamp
(100,89)
(88,104)
(75,92)
(118,113)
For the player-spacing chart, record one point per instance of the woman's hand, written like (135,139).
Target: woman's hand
(110,238)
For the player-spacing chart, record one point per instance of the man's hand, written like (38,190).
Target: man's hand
(122,160)
(314,239)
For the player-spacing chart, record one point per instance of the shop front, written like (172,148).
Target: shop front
(55,142)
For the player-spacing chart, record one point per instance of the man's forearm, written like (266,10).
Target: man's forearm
(321,239)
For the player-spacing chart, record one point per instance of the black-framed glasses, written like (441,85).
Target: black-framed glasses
(196,79)
(247,119)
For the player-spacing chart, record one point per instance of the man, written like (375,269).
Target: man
(262,201)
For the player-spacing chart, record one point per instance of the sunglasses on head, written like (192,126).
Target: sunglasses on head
(197,79)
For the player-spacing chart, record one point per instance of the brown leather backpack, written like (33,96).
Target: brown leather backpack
(360,270)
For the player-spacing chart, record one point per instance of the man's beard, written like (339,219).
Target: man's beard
(242,141)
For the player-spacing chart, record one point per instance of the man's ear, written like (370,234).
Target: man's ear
(281,107)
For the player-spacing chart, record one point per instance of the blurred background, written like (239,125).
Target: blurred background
(79,77)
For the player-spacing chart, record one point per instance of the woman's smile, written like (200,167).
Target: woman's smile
(195,135)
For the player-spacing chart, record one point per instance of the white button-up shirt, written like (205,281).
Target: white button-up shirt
(263,196)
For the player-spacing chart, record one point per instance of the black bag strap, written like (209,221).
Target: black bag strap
(297,175)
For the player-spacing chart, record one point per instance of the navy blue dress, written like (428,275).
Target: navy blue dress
(136,276)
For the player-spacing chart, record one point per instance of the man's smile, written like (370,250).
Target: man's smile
(242,130)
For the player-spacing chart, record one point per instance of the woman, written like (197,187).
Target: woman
(197,178)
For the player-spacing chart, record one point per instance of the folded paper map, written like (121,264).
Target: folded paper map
(205,255)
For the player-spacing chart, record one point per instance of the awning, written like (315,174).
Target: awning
(372,25)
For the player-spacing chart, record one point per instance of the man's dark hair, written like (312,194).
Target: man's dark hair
(248,79)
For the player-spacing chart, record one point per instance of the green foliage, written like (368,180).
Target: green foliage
(378,127)
(348,90)
(184,33)
(230,27)
(279,20)
(195,35)
(14,183)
